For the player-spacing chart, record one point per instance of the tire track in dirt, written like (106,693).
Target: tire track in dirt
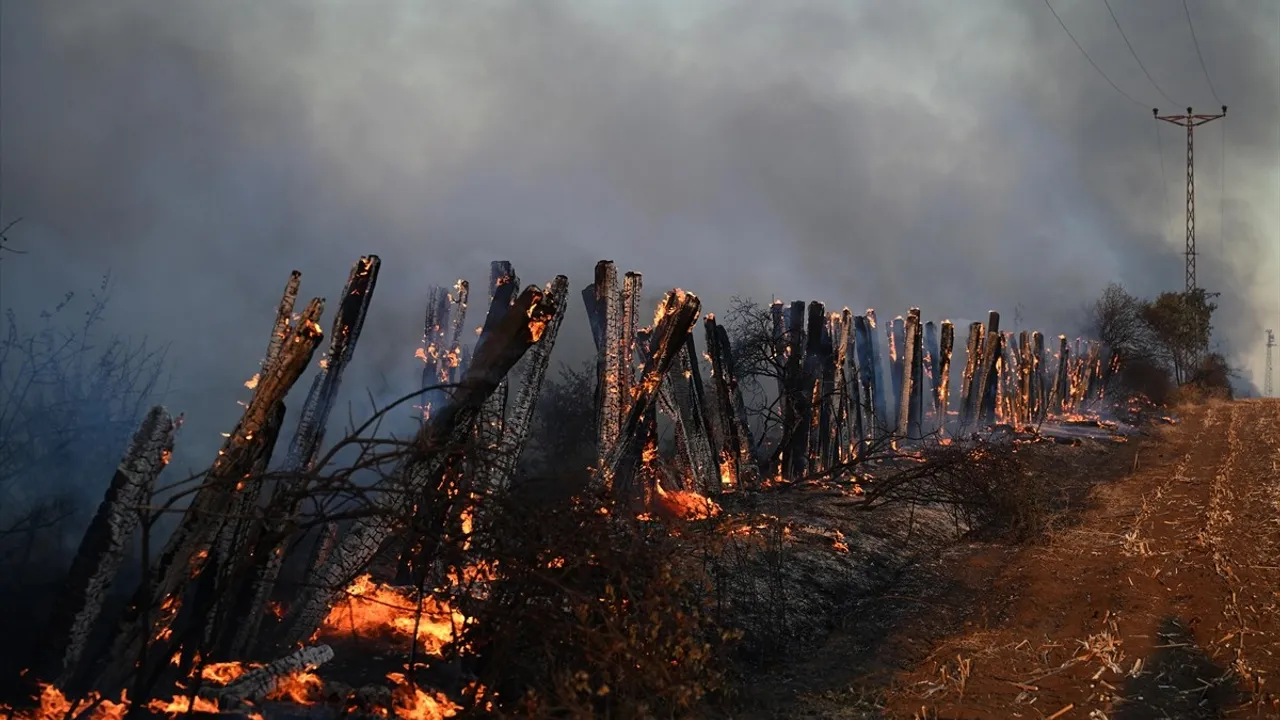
(1163,602)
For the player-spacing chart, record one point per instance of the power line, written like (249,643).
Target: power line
(1164,181)
(1134,53)
(1079,47)
(1196,42)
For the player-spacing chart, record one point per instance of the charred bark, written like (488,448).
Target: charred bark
(256,684)
(863,344)
(881,386)
(946,343)
(78,606)
(911,401)
(677,314)
(491,425)
(794,416)
(896,333)
(989,378)
(308,438)
(683,388)
(817,357)
(972,374)
(189,546)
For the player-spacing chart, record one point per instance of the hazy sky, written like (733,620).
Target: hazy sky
(958,156)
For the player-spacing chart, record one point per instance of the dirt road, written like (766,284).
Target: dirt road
(1161,601)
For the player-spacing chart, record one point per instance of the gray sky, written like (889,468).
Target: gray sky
(958,156)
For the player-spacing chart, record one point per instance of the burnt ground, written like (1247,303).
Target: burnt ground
(1155,593)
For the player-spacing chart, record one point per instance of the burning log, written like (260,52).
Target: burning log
(684,394)
(604,308)
(931,362)
(188,548)
(434,342)
(533,373)
(632,285)
(972,374)
(258,683)
(989,378)
(420,473)
(308,438)
(911,422)
(1039,384)
(103,546)
(943,388)
(793,399)
(1059,400)
(734,446)
(844,427)
(490,426)
(817,358)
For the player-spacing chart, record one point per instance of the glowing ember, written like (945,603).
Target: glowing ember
(374,609)
(181,705)
(414,703)
(224,673)
(301,688)
(55,706)
(252,382)
(686,504)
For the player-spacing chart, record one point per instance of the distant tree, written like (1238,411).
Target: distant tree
(1180,324)
(1116,320)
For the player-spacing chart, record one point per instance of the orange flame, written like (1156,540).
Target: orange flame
(375,609)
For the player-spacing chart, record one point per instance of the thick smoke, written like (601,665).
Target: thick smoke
(953,156)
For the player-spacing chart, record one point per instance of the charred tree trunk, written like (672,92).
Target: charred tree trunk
(605,307)
(417,479)
(1061,398)
(308,438)
(491,425)
(189,546)
(987,381)
(931,362)
(864,345)
(946,343)
(896,333)
(794,415)
(1039,385)
(78,606)
(676,317)
(683,388)
(911,403)
(972,375)
(532,374)
(817,356)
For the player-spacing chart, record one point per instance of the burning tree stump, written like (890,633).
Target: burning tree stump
(102,549)
(1039,385)
(418,477)
(846,425)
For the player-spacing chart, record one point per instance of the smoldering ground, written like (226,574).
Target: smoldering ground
(954,156)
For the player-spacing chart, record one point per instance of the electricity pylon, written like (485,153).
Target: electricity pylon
(1190,122)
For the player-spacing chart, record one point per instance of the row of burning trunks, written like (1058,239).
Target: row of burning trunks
(206,593)
(844,388)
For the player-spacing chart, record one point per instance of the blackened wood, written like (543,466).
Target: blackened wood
(608,303)
(911,425)
(683,387)
(882,387)
(1039,385)
(794,417)
(677,314)
(78,605)
(946,341)
(863,343)
(931,363)
(988,377)
(434,346)
(817,355)
(1060,400)
(183,556)
(970,379)
(747,472)
(896,334)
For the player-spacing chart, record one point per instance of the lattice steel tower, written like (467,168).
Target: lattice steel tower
(1190,122)
(1267,389)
